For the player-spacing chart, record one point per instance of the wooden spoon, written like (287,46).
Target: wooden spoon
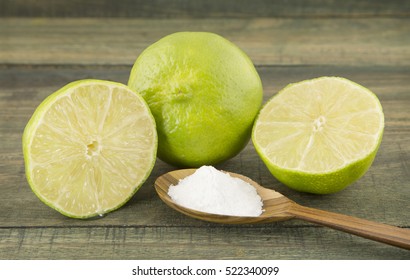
(278,208)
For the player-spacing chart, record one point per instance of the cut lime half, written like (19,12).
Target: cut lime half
(89,147)
(319,135)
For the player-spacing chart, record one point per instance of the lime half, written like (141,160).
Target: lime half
(319,135)
(88,147)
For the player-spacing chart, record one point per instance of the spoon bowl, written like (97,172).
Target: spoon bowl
(274,203)
(277,207)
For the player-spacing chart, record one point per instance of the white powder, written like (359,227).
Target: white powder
(212,191)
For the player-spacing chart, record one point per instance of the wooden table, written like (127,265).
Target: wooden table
(46,44)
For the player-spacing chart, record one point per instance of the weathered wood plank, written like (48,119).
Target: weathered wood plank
(381,195)
(203,8)
(370,41)
(270,242)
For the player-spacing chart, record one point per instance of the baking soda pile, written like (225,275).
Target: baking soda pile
(212,191)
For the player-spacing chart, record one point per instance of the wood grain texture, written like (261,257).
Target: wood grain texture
(359,42)
(206,242)
(204,8)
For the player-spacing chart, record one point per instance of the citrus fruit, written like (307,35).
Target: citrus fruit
(319,135)
(88,147)
(204,93)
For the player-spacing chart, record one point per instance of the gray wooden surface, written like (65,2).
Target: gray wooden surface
(45,45)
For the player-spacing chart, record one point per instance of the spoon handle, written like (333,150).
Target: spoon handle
(392,235)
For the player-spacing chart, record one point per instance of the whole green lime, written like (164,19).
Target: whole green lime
(204,93)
